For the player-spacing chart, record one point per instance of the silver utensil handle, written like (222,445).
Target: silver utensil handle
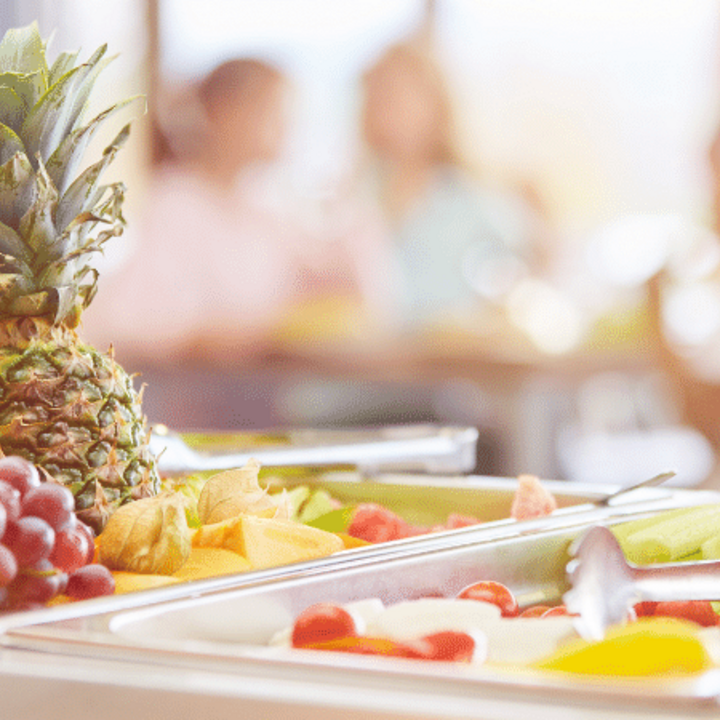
(650,482)
(681,581)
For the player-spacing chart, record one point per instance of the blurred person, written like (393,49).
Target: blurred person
(202,273)
(223,256)
(455,240)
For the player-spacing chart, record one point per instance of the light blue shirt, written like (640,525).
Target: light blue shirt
(446,237)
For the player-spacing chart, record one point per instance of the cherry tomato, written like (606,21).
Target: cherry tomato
(492,592)
(555,611)
(367,645)
(534,611)
(455,521)
(321,623)
(699,611)
(646,608)
(451,645)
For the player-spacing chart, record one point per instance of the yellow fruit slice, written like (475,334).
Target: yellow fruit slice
(649,646)
(267,542)
(126,582)
(270,542)
(59,600)
(207,562)
(226,534)
(351,542)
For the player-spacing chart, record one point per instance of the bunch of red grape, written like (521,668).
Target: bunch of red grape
(44,549)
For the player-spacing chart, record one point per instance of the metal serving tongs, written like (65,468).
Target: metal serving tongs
(433,450)
(605,586)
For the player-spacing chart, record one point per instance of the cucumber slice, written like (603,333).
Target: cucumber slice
(674,537)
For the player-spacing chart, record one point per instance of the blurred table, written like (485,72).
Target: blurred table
(495,380)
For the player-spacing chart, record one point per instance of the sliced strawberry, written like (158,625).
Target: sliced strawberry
(531,499)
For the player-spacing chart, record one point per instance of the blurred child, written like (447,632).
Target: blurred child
(455,241)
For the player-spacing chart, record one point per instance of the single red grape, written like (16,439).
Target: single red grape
(53,503)
(39,585)
(322,622)
(71,550)
(90,536)
(90,581)
(10,499)
(20,473)
(8,566)
(30,538)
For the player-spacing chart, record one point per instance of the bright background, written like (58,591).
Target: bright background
(606,106)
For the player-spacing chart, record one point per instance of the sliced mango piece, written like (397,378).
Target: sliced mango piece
(268,542)
(207,562)
(59,600)
(648,646)
(351,542)
(226,534)
(126,582)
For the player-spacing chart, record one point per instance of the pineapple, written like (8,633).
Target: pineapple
(63,405)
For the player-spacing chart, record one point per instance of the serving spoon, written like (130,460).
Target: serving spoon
(605,586)
(650,482)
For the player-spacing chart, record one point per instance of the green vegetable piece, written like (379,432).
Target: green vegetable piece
(319,503)
(710,549)
(623,531)
(674,537)
(295,498)
(335,521)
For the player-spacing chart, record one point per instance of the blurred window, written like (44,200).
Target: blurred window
(607,104)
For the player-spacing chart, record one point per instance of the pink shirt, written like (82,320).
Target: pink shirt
(213,269)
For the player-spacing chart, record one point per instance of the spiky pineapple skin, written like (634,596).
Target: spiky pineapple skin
(63,405)
(75,413)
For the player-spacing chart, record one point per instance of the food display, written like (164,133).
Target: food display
(466,614)
(228,523)
(206,527)
(483,625)
(84,512)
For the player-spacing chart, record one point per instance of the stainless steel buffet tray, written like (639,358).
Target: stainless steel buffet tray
(403,448)
(222,628)
(420,499)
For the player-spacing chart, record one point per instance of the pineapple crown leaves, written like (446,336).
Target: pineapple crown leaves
(53,215)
